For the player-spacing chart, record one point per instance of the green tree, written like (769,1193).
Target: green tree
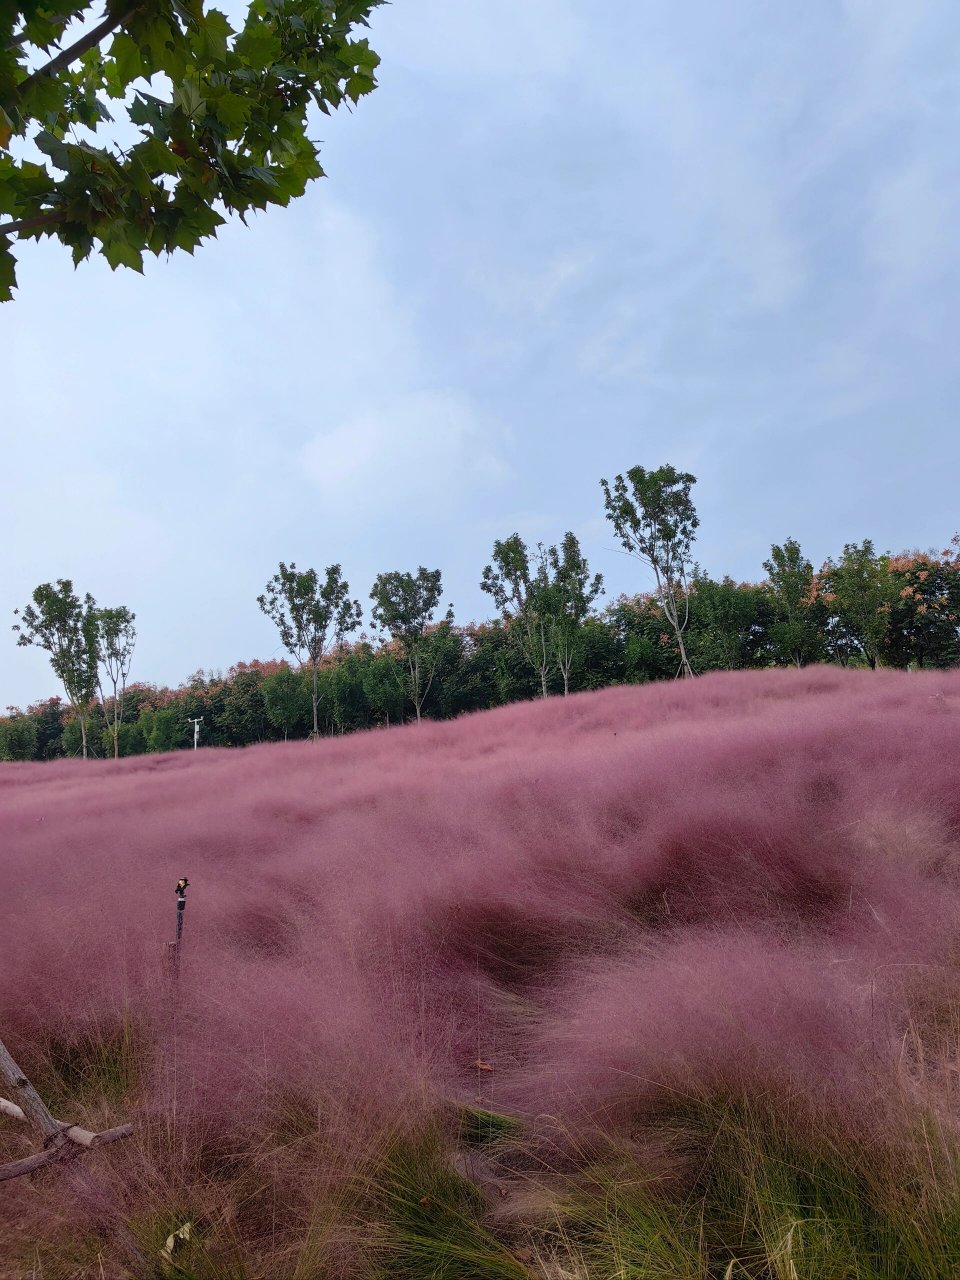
(924,622)
(286,699)
(794,634)
(133,739)
(116,637)
(167,730)
(729,623)
(96,729)
(47,715)
(602,657)
(219,117)
(654,517)
(858,592)
(384,686)
(66,627)
(529,601)
(403,607)
(649,652)
(18,737)
(309,614)
(485,671)
(571,593)
(244,718)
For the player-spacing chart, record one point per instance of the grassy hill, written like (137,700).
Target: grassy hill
(657,982)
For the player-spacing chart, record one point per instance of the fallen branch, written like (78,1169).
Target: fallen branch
(62,1140)
(58,1154)
(11,1109)
(82,1137)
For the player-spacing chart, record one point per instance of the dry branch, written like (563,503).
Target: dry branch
(62,1141)
(11,1109)
(28,1099)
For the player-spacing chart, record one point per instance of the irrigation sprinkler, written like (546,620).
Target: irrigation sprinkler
(181,907)
(173,948)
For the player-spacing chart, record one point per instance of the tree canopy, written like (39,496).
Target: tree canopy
(142,130)
(653,515)
(67,628)
(308,612)
(403,607)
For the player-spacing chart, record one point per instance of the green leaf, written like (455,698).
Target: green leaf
(156,158)
(258,45)
(8,271)
(211,40)
(232,110)
(259,174)
(187,96)
(145,109)
(81,250)
(34,181)
(121,254)
(127,56)
(58,151)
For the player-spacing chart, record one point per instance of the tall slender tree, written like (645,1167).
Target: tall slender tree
(67,628)
(654,517)
(116,638)
(520,591)
(403,606)
(574,593)
(310,615)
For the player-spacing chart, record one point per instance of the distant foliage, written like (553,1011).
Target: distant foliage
(864,609)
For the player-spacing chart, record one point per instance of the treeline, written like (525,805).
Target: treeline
(862,609)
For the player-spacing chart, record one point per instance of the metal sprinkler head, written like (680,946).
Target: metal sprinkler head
(182,887)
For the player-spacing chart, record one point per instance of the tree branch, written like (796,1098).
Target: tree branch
(52,1155)
(88,41)
(26,225)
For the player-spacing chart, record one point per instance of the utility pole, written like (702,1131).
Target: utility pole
(196,729)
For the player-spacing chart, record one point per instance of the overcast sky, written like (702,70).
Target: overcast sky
(725,236)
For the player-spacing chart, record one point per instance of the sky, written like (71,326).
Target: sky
(547,249)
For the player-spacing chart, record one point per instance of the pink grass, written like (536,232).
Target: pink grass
(683,889)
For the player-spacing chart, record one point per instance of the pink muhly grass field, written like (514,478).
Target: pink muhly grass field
(628,904)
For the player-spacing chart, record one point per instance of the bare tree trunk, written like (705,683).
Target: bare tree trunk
(668,603)
(684,660)
(543,681)
(83,733)
(316,727)
(413,666)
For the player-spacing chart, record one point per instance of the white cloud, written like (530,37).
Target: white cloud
(425,446)
(496,40)
(910,235)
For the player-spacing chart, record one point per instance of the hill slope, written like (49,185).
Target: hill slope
(701,939)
